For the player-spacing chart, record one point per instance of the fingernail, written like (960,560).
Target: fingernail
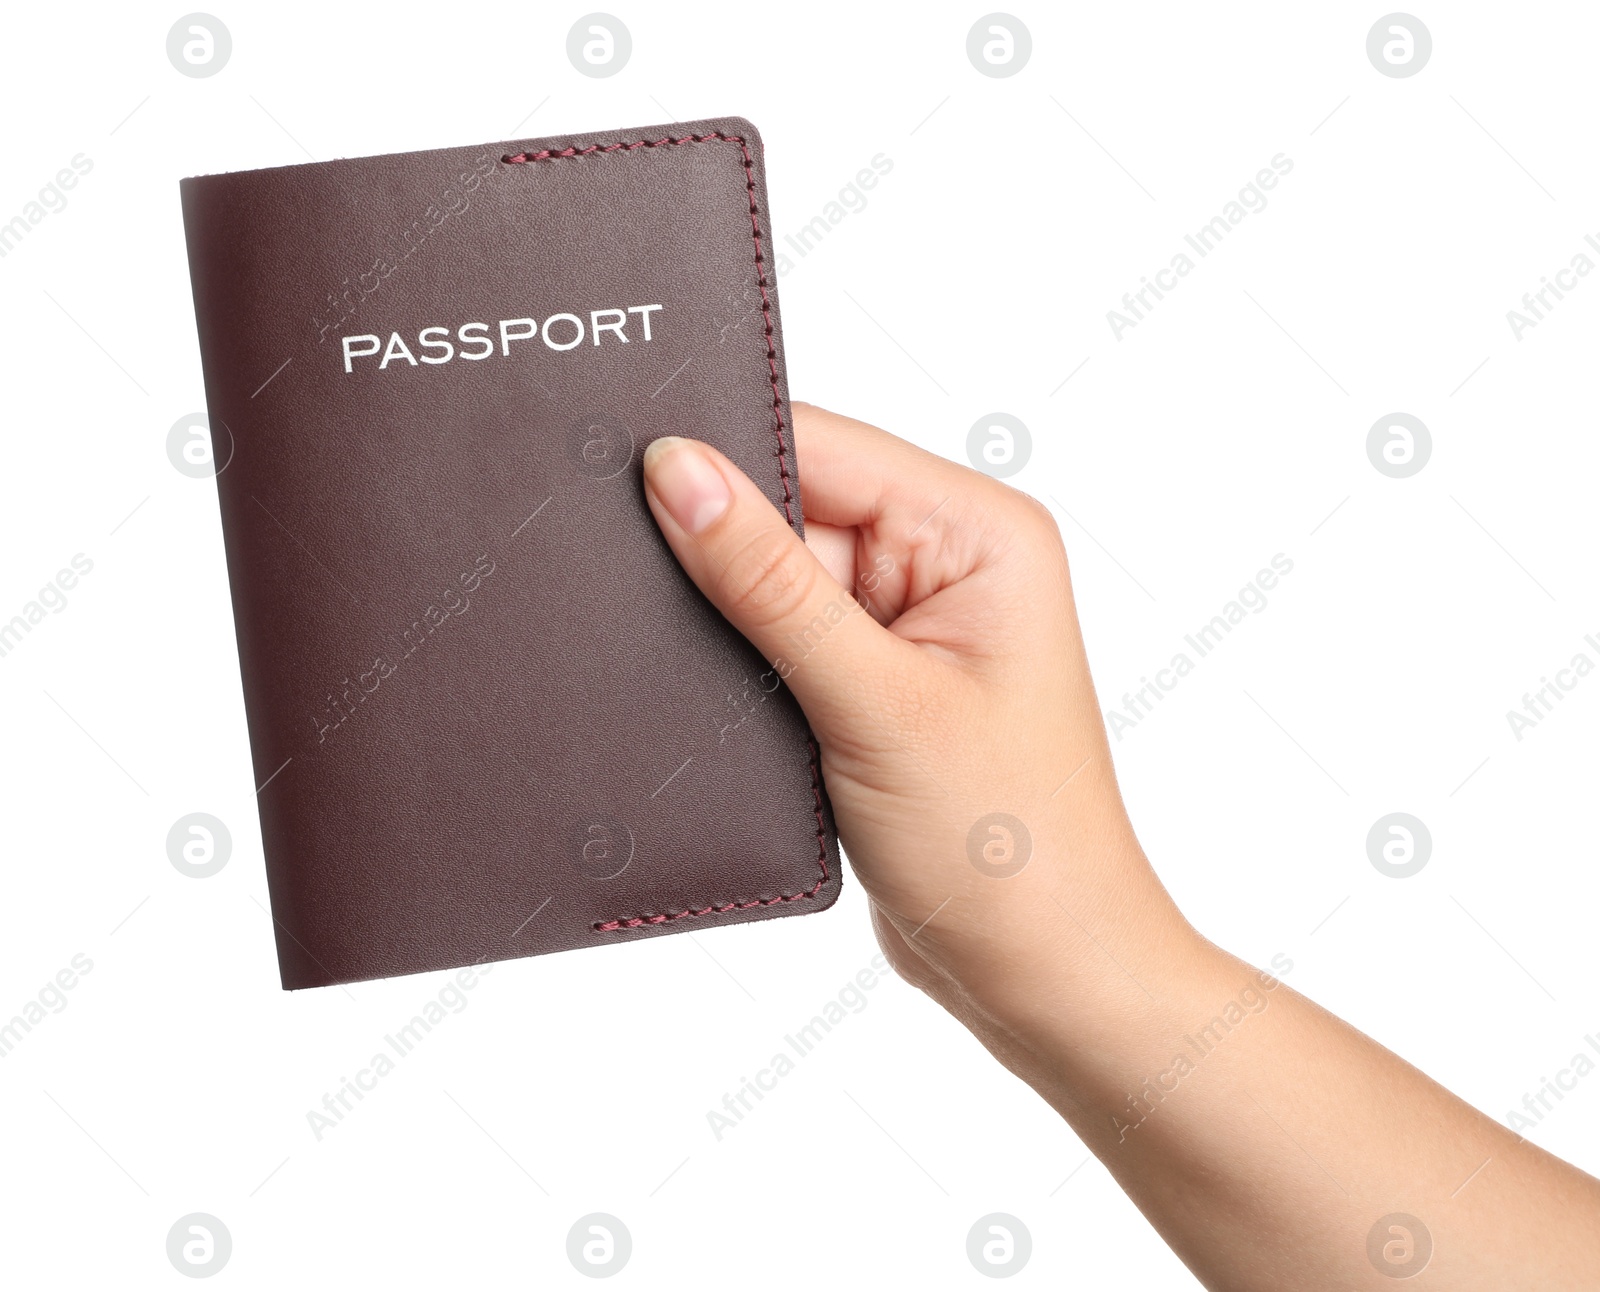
(687,481)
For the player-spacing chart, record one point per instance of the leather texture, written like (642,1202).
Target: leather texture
(489,715)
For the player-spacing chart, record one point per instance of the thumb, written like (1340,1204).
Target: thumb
(742,553)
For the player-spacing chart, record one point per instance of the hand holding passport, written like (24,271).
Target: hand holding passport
(491,714)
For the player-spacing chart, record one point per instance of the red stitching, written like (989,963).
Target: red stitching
(637,921)
(559,154)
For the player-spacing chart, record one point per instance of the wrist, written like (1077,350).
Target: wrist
(1087,961)
(1093,977)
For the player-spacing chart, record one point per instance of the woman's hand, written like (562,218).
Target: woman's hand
(926,626)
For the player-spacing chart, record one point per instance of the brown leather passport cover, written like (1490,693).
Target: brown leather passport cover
(489,715)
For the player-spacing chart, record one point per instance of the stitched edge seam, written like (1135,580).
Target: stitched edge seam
(560,154)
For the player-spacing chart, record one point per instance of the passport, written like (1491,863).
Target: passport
(489,716)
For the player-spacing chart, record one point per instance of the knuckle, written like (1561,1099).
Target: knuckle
(769,577)
(1033,527)
(1038,517)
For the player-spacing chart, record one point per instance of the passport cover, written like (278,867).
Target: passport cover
(489,715)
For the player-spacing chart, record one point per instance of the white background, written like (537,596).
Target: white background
(1226,427)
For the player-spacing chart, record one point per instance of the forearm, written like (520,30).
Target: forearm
(1264,1137)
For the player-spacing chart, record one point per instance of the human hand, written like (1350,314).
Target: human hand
(926,625)
(927,628)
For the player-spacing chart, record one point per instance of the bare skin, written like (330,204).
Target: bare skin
(1265,1150)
